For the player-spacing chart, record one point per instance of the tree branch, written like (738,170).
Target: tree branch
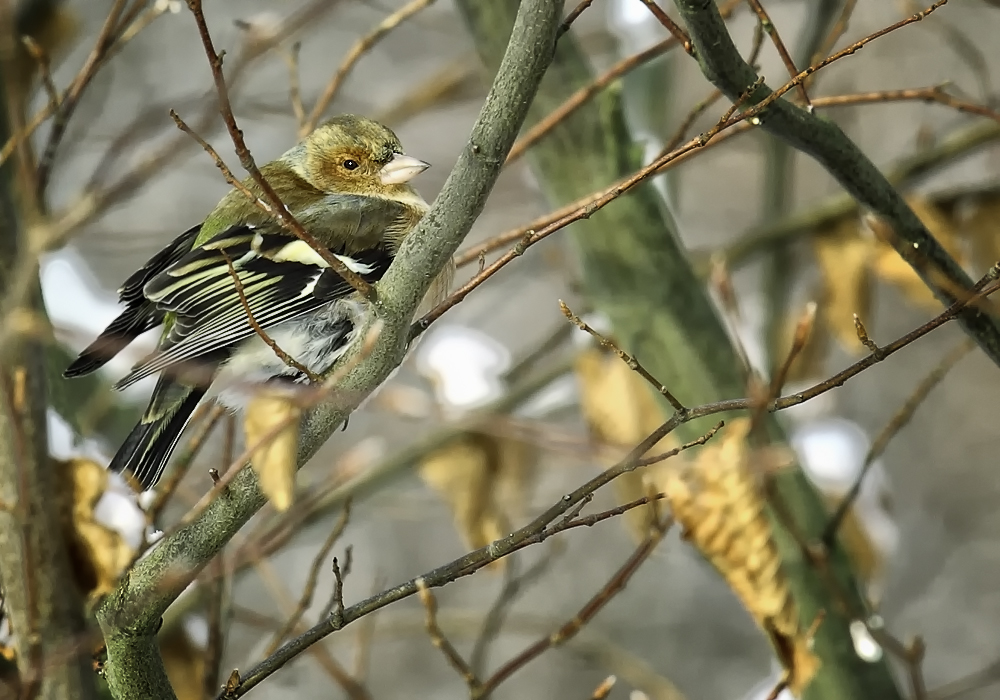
(824,141)
(130,615)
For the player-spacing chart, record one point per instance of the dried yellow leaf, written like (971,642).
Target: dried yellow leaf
(844,258)
(890,267)
(271,425)
(717,501)
(184,662)
(621,410)
(484,479)
(982,226)
(98,553)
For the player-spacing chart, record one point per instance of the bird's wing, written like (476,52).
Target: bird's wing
(281,278)
(139,314)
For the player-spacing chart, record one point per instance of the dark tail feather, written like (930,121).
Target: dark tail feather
(145,452)
(133,322)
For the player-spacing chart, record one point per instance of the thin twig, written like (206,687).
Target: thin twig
(65,107)
(976,680)
(441,642)
(688,120)
(604,688)
(675,31)
(836,31)
(633,364)
(217,585)
(572,17)
(803,330)
(282,355)
(581,209)
(586,613)
(584,94)
(514,585)
(895,424)
(335,608)
(678,155)
(295,86)
(664,456)
(786,58)
(310,399)
(38,54)
(273,205)
(365,636)
(309,589)
(360,48)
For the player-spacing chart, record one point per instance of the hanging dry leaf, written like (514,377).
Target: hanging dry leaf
(982,227)
(717,501)
(272,430)
(844,259)
(484,479)
(621,410)
(98,553)
(184,662)
(889,266)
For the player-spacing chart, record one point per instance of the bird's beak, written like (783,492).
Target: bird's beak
(401,169)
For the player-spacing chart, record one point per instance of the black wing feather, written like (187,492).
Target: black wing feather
(210,315)
(139,315)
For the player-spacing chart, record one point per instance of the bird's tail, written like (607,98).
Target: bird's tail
(145,452)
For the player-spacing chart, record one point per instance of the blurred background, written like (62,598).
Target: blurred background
(926,525)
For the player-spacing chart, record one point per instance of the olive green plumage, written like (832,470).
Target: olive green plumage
(347,184)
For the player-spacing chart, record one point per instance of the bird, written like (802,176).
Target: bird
(348,184)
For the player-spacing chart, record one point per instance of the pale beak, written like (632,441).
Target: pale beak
(401,169)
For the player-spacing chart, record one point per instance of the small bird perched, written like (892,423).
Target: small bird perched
(347,184)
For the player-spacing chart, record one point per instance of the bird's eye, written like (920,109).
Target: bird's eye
(351,164)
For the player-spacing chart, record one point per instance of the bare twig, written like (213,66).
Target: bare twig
(360,48)
(898,421)
(582,209)
(67,105)
(38,54)
(441,642)
(803,330)
(581,96)
(675,31)
(295,86)
(836,31)
(218,590)
(282,355)
(513,586)
(308,400)
(982,678)
(586,613)
(604,688)
(629,360)
(689,119)
(572,16)
(273,205)
(310,586)
(786,58)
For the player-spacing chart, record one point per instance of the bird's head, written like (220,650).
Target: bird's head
(356,155)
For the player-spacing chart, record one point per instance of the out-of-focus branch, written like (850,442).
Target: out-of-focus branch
(948,149)
(44,608)
(824,141)
(776,276)
(130,615)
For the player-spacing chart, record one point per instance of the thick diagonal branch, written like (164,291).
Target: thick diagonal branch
(826,143)
(130,615)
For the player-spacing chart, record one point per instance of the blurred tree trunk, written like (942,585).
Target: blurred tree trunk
(40,599)
(636,271)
